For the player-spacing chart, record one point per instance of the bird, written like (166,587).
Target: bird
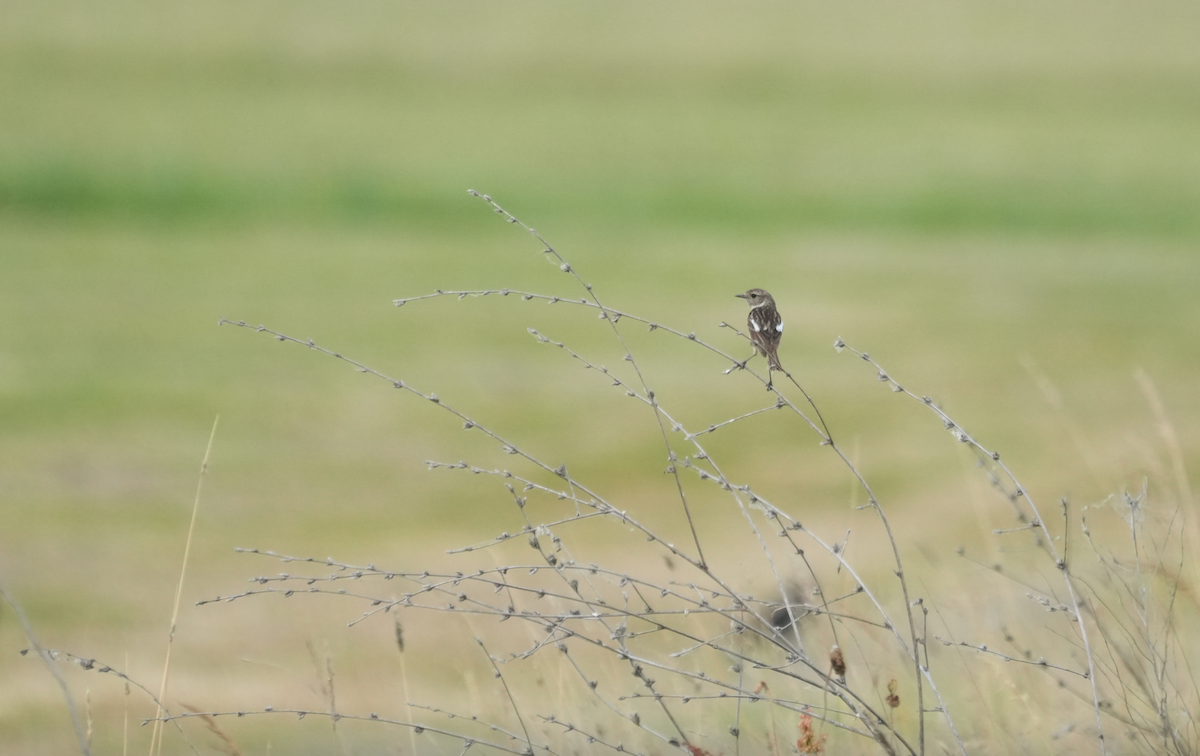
(837,663)
(766,329)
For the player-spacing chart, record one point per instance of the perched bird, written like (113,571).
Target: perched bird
(837,664)
(766,329)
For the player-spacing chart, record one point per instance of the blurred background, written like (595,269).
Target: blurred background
(1000,204)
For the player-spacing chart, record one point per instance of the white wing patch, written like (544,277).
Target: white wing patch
(755,326)
(779,327)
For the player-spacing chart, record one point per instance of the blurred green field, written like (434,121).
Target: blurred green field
(989,200)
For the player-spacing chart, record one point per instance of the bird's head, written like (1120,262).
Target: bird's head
(756,297)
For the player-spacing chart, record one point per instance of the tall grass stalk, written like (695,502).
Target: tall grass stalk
(156,737)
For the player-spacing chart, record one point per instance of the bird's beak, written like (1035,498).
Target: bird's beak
(742,296)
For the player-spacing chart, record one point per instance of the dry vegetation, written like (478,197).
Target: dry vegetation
(755,627)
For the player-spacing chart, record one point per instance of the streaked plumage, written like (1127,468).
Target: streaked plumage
(765,328)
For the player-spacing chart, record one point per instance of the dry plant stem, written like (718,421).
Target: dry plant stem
(592,738)
(412,737)
(736,729)
(125,715)
(156,736)
(48,656)
(92,665)
(373,717)
(491,726)
(929,676)
(508,692)
(1018,492)
(567,268)
(504,537)
(1039,662)
(323,666)
(210,724)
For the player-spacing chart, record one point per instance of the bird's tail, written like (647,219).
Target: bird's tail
(773,361)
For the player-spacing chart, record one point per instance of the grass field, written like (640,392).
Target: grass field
(1001,205)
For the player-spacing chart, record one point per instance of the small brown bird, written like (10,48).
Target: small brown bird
(766,329)
(837,664)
